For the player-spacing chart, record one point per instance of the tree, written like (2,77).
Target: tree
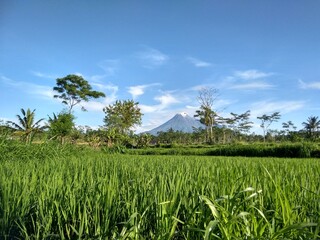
(241,121)
(267,120)
(206,98)
(312,125)
(122,116)
(289,128)
(61,126)
(27,127)
(73,89)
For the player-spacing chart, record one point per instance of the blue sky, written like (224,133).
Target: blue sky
(263,56)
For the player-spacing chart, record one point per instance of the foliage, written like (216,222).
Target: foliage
(143,140)
(312,125)
(267,120)
(27,127)
(50,191)
(283,150)
(61,126)
(240,122)
(122,116)
(206,98)
(73,89)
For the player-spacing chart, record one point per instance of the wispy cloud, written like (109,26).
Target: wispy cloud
(44,75)
(267,107)
(252,85)
(198,63)
(151,57)
(312,85)
(110,66)
(41,91)
(247,80)
(139,90)
(251,74)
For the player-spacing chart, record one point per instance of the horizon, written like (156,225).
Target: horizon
(261,56)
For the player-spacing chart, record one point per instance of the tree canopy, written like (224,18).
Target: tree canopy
(312,125)
(122,115)
(61,126)
(73,89)
(267,120)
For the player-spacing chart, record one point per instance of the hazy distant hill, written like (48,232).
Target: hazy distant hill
(180,122)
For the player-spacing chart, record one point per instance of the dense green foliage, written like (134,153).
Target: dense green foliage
(283,150)
(64,192)
(122,115)
(60,126)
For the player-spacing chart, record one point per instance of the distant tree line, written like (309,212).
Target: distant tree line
(122,116)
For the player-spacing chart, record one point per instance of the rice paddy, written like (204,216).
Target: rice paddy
(54,193)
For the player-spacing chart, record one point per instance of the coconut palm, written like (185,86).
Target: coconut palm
(312,125)
(26,126)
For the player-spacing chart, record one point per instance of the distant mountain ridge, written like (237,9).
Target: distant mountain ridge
(180,122)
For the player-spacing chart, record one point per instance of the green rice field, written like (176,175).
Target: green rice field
(53,193)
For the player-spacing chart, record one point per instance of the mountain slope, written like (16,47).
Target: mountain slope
(180,122)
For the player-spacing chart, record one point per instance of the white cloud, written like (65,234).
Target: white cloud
(267,107)
(198,63)
(251,86)
(152,58)
(111,96)
(136,91)
(312,85)
(139,90)
(164,100)
(251,74)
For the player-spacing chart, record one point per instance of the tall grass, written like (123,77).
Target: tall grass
(52,193)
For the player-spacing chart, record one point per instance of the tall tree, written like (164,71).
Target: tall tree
(206,98)
(312,125)
(240,122)
(122,116)
(288,127)
(73,89)
(267,120)
(27,126)
(207,117)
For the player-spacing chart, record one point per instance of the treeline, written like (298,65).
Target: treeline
(122,116)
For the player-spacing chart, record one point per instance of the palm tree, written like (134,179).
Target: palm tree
(312,125)
(26,126)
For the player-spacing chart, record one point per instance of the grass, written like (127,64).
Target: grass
(52,192)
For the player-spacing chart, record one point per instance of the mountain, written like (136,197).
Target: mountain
(180,122)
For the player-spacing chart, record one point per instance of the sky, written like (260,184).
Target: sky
(262,56)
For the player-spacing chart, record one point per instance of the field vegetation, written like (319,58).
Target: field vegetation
(54,191)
